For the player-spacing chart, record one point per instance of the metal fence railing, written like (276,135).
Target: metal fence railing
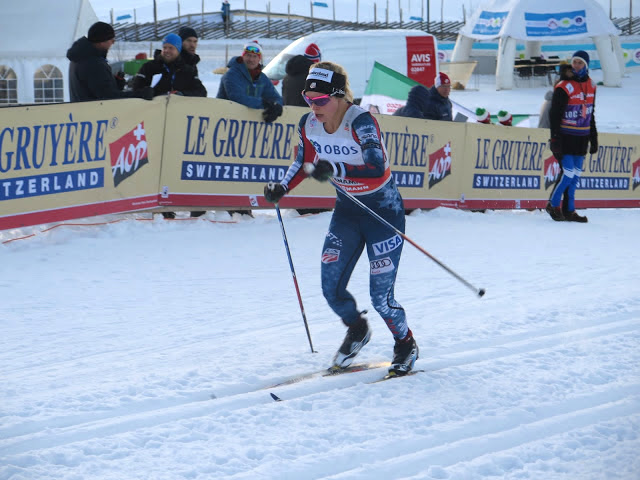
(247,24)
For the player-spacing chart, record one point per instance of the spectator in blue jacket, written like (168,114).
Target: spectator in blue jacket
(245,83)
(225,10)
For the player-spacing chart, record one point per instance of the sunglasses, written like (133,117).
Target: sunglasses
(320,101)
(253,49)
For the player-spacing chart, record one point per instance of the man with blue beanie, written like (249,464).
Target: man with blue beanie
(573,132)
(176,77)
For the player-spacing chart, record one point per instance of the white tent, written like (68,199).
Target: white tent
(539,21)
(36,35)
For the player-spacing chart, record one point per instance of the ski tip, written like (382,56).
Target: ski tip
(275,397)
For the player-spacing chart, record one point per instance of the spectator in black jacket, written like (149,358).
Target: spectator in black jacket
(416,103)
(188,54)
(176,77)
(432,104)
(297,70)
(189,44)
(90,75)
(439,106)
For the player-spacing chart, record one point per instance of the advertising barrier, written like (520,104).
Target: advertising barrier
(508,167)
(65,161)
(220,154)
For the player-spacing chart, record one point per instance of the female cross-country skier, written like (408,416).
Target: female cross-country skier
(341,141)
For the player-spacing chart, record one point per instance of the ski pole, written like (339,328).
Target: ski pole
(478,291)
(293,274)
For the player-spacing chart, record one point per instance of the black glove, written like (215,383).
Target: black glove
(120,81)
(147,93)
(593,145)
(273,192)
(556,147)
(321,171)
(272,110)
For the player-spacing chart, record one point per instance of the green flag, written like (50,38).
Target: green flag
(387,90)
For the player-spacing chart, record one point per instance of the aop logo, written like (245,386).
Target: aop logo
(128,154)
(382,265)
(551,172)
(635,168)
(439,164)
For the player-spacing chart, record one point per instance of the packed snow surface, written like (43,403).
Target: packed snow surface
(117,337)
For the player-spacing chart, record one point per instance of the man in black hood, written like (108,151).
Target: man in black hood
(297,70)
(90,75)
(189,44)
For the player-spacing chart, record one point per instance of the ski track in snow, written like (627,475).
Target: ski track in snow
(523,390)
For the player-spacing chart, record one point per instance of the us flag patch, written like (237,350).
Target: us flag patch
(330,255)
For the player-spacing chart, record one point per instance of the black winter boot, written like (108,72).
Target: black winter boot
(574,217)
(555,212)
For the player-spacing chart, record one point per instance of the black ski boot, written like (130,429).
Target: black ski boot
(405,354)
(574,217)
(555,212)
(358,335)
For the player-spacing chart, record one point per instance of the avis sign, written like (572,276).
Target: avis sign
(421,59)
(128,154)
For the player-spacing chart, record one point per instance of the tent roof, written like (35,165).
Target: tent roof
(538,20)
(43,28)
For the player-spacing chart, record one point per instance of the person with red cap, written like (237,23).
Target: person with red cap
(297,70)
(431,104)
(439,106)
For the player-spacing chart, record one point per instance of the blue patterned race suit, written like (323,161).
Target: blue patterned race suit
(359,157)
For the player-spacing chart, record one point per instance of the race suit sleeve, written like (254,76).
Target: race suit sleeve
(306,153)
(366,132)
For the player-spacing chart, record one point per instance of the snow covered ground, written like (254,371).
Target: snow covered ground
(141,349)
(116,338)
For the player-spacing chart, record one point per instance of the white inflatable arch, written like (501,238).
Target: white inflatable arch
(541,21)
